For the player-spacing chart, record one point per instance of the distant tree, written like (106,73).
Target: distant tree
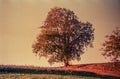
(62,37)
(111,47)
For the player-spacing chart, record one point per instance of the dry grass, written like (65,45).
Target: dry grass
(42,76)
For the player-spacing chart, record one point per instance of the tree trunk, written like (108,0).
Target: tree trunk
(66,62)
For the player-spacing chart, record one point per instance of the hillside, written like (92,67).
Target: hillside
(99,68)
(104,69)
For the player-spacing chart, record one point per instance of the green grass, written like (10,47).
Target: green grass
(42,76)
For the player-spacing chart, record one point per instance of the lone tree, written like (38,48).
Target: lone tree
(62,37)
(111,47)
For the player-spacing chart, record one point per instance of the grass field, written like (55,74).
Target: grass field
(42,76)
(87,71)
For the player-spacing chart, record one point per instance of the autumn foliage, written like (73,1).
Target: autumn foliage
(63,37)
(111,47)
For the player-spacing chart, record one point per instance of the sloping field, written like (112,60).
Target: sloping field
(109,69)
(84,71)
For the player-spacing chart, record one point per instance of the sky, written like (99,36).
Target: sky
(20,21)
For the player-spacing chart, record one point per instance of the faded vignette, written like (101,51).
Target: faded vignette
(67,39)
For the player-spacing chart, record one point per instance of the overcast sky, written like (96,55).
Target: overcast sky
(20,19)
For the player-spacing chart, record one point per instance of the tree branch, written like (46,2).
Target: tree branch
(73,42)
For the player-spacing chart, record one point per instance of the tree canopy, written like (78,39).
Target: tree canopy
(111,47)
(63,37)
